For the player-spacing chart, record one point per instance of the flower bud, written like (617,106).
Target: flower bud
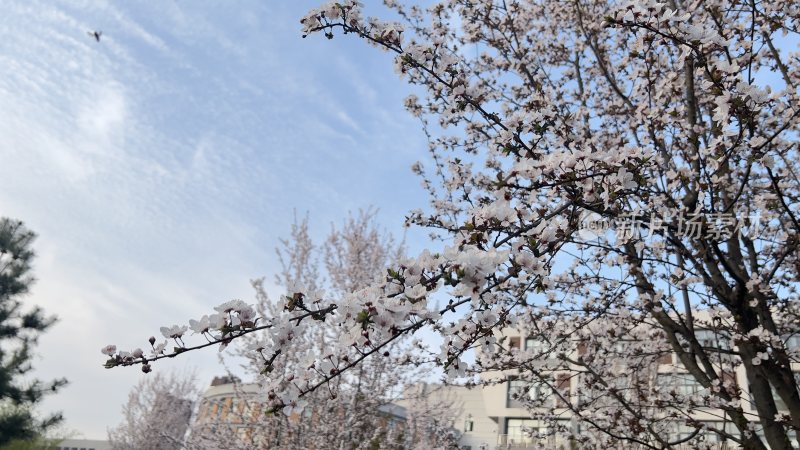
(152,340)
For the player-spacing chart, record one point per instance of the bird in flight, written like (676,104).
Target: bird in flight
(95,34)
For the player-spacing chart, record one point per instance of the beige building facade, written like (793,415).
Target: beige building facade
(492,417)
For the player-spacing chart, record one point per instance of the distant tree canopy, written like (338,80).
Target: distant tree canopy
(19,330)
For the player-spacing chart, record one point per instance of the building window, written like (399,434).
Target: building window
(517,391)
(235,416)
(513,342)
(679,431)
(520,391)
(520,431)
(710,431)
(247,411)
(563,385)
(705,432)
(622,347)
(712,340)
(729,378)
(535,345)
(583,347)
(680,383)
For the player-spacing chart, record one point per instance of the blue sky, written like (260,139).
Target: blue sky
(161,165)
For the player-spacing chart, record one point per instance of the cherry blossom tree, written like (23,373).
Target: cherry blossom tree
(157,413)
(356,410)
(615,180)
(431,411)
